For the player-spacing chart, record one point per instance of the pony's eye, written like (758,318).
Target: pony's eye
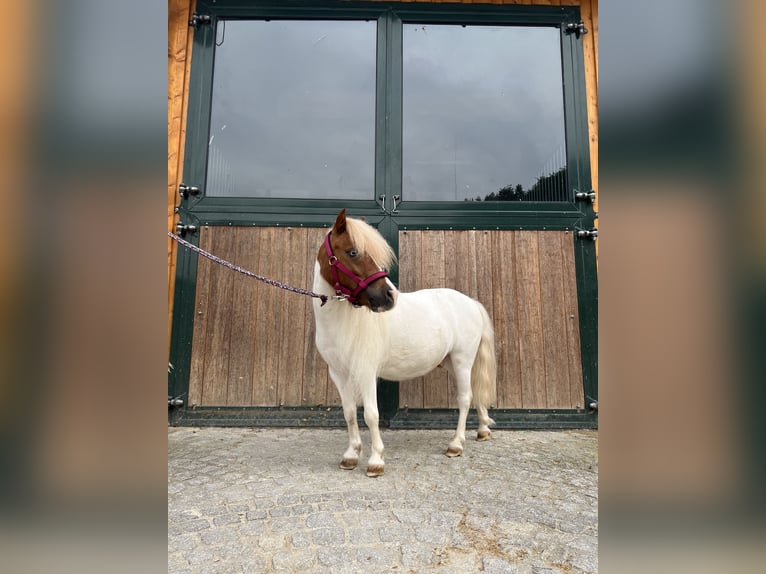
(352,252)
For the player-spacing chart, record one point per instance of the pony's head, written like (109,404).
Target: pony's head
(354,259)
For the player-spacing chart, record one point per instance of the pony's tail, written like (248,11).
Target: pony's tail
(484,370)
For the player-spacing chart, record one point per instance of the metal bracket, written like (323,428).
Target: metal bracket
(175,401)
(187,190)
(586,195)
(576,28)
(184,229)
(587,233)
(198,19)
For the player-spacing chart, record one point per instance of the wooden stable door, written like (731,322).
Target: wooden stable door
(253,343)
(526,280)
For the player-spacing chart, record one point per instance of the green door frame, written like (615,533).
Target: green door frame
(202,210)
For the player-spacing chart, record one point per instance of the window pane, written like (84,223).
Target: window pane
(483,114)
(293,110)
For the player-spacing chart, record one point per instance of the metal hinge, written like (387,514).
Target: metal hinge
(576,28)
(586,195)
(183,229)
(587,233)
(175,401)
(187,190)
(198,19)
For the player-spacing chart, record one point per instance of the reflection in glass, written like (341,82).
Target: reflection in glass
(293,110)
(483,114)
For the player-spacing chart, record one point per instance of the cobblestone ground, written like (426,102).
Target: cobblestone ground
(274,500)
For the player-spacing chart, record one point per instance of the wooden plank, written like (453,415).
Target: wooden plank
(411,391)
(197,367)
(501,257)
(482,280)
(314,368)
(590,19)
(433,275)
(268,322)
(219,323)
(467,249)
(531,349)
(554,320)
(459,269)
(572,314)
(292,242)
(244,308)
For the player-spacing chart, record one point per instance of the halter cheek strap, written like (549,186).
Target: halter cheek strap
(337,267)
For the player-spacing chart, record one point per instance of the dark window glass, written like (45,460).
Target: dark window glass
(293,110)
(483,114)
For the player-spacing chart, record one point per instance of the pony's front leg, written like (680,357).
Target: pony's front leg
(351,456)
(375,464)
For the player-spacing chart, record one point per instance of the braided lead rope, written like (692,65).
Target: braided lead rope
(239,269)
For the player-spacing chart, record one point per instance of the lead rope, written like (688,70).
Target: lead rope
(239,269)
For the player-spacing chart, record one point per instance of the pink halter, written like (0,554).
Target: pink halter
(336,266)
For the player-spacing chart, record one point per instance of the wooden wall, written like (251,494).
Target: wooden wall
(526,280)
(253,344)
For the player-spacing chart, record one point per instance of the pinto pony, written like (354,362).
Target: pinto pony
(368,330)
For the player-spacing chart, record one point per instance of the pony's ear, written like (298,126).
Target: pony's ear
(340,222)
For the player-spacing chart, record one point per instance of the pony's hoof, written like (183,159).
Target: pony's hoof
(348,464)
(483,435)
(454,451)
(375,470)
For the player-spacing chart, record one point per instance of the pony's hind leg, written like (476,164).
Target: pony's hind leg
(483,432)
(464,395)
(351,456)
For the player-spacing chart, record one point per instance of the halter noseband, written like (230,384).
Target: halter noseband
(336,266)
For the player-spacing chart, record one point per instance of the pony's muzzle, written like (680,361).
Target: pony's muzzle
(384,298)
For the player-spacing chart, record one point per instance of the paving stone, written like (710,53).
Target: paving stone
(321,520)
(359,536)
(375,556)
(293,560)
(329,536)
(498,566)
(194,525)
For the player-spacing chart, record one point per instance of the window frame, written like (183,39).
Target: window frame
(390,17)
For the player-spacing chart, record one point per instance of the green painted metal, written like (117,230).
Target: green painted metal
(569,215)
(332,417)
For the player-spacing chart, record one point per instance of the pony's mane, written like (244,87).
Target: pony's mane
(369,241)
